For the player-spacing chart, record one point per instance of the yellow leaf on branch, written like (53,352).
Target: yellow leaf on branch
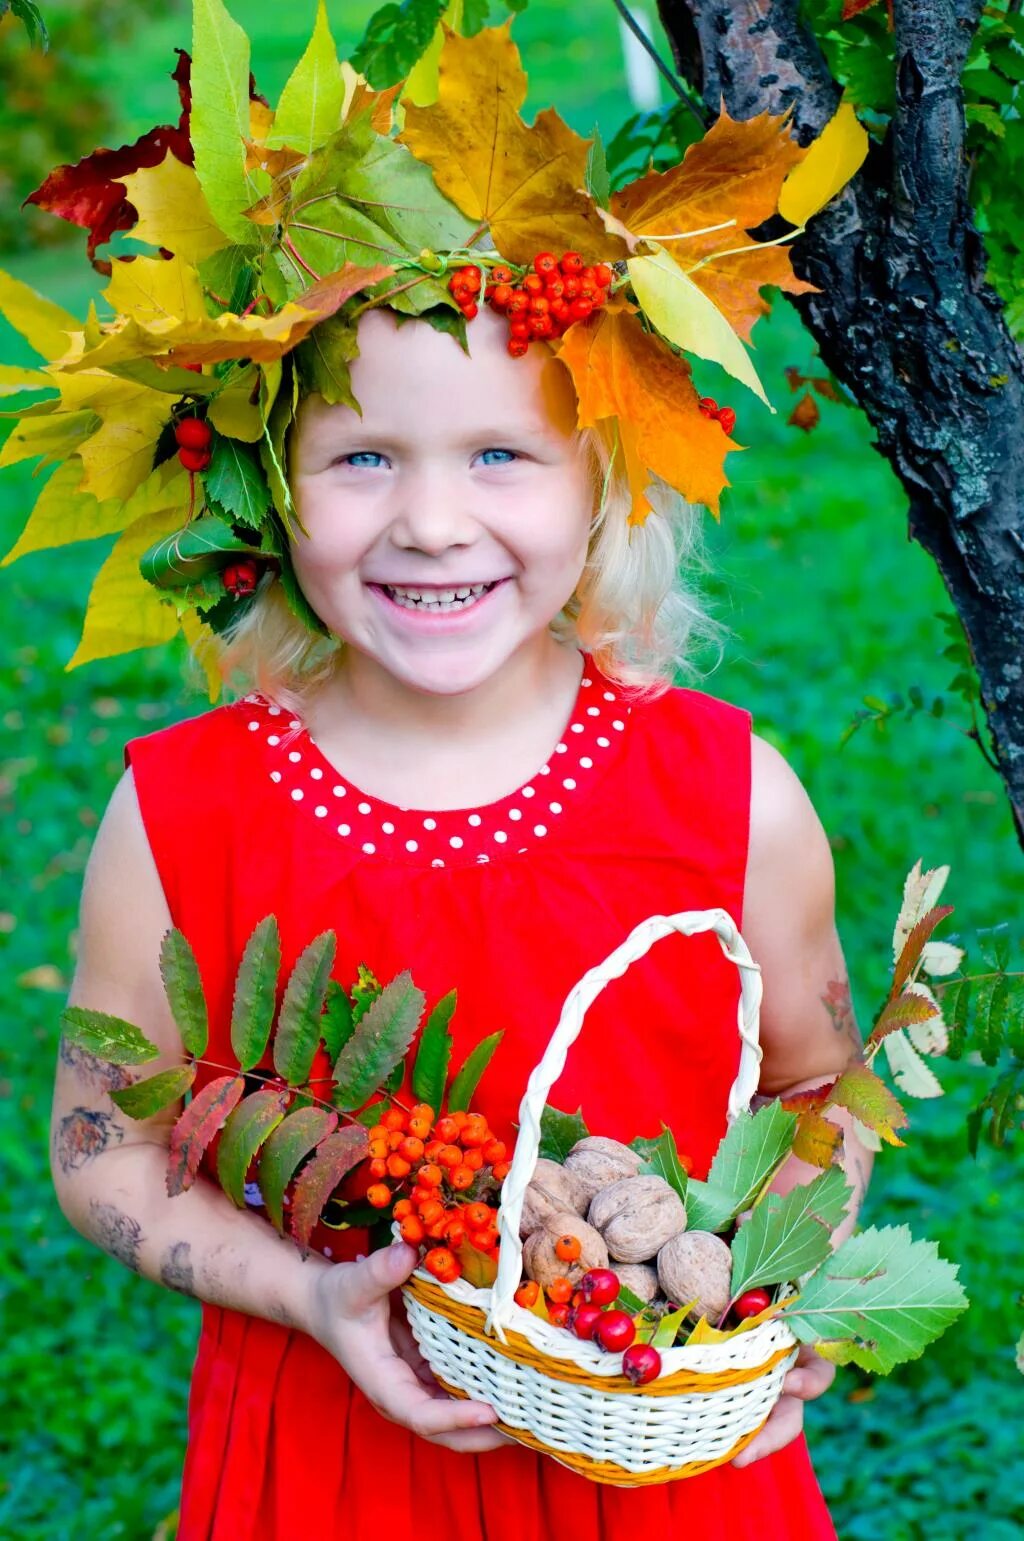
(173,211)
(829,163)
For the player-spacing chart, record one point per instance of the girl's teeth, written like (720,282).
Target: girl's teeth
(439,599)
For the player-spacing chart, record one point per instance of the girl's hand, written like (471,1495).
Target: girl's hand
(809,1378)
(349,1315)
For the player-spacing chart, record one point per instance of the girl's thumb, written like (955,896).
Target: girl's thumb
(383,1271)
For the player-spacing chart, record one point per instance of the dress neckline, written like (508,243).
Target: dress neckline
(447,837)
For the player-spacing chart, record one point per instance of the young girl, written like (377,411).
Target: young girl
(462,751)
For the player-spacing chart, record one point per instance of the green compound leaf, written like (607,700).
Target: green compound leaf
(559,1132)
(255,994)
(430,1069)
(184,990)
(299,1021)
(879,1301)
(235,480)
(288,1145)
(110,1038)
(788,1236)
(337,1023)
(473,1067)
(197,1126)
(335,1156)
(661,1158)
(380,1039)
(255,1117)
(145,1098)
(751,1151)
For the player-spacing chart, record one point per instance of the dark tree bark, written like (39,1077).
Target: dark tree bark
(904,317)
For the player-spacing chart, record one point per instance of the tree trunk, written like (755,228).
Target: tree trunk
(904,317)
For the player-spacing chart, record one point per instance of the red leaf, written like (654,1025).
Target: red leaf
(335,1156)
(89,194)
(914,945)
(196,1128)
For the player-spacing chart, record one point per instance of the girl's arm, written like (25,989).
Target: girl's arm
(109,1170)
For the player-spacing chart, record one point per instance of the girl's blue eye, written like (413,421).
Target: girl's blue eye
(509,456)
(362,458)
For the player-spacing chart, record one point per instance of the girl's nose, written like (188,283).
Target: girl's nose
(431,513)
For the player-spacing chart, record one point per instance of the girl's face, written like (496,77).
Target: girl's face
(448,525)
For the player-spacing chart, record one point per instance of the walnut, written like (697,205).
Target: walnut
(636,1216)
(541,1261)
(595,1162)
(696,1266)
(641,1279)
(552,1190)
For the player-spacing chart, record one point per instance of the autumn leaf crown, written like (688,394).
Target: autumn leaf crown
(263,234)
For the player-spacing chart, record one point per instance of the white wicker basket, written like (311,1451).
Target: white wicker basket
(562,1395)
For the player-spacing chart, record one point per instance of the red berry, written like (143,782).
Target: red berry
(539,305)
(545,263)
(560,310)
(751,1302)
(554,288)
(580,309)
(584,1321)
(589,277)
(559,1315)
(470,311)
(471,278)
(501,274)
(517,346)
(194,459)
(500,295)
(615,1331)
(519,329)
(571,287)
(571,262)
(708,406)
(600,1287)
(533,283)
(603,275)
(727,418)
(540,326)
(641,1363)
(519,303)
(193,433)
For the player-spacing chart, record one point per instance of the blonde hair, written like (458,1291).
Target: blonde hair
(636,608)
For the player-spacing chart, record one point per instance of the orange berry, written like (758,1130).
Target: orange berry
(559,1292)
(478,1215)
(378,1167)
(568,1248)
(474,1159)
(603,275)
(500,295)
(412,1230)
(449,1156)
(420,1127)
(501,274)
(379,1195)
(379,1146)
(432,1149)
(533,283)
(395,1138)
(446,1130)
(558,1315)
(461,1178)
(394,1118)
(421,1196)
(455,1232)
(429,1175)
(475,1132)
(431,1211)
(460,1118)
(423,1110)
(494,1150)
(527,1293)
(442,1264)
(411,1148)
(403,1209)
(398,1166)
(438,1231)
(484,1240)
(500,1170)
(378,1132)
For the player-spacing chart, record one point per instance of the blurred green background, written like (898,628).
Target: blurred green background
(827,601)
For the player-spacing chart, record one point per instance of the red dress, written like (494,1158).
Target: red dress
(639,811)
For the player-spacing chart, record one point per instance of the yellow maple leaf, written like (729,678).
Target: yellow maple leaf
(619,370)
(42,323)
(63,514)
(526,185)
(173,211)
(156,290)
(119,455)
(14,379)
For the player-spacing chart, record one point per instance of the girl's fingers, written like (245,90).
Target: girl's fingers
(810,1377)
(785,1424)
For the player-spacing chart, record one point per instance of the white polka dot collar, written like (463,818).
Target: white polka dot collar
(451,836)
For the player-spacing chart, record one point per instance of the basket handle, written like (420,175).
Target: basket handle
(552,1063)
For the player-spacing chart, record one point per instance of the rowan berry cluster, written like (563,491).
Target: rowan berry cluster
(538,301)
(708,407)
(435,1172)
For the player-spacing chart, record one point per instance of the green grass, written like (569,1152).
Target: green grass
(828,601)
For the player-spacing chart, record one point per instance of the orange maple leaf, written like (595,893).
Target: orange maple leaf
(527,185)
(619,370)
(726,184)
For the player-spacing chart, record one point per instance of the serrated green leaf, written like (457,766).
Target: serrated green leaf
(252,1013)
(185,556)
(288,1145)
(236,481)
(219,121)
(184,990)
(430,1068)
(252,1121)
(661,1157)
(323,360)
(394,39)
(380,1039)
(750,1153)
(336,1024)
(335,1156)
(310,107)
(879,1301)
(559,1132)
(299,1021)
(110,1038)
(145,1098)
(788,1236)
(627,1301)
(669,1327)
(472,1068)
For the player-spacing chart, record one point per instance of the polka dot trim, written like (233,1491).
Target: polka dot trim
(447,837)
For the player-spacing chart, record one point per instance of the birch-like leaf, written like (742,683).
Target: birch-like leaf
(335,1156)
(751,1151)
(879,1301)
(661,1158)
(298,1023)
(144,1098)
(788,1236)
(380,1039)
(559,1132)
(110,1038)
(288,1145)
(184,990)
(430,1067)
(197,1126)
(252,1121)
(252,1012)
(467,1079)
